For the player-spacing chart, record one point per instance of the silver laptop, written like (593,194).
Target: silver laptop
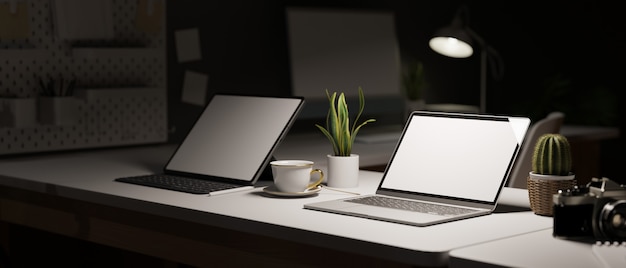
(229,146)
(445,167)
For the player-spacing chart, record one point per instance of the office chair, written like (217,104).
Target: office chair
(550,124)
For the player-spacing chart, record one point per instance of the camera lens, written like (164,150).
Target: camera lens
(613,220)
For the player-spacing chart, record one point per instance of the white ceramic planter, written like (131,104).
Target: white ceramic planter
(58,110)
(343,171)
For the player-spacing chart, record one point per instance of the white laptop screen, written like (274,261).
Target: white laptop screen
(460,157)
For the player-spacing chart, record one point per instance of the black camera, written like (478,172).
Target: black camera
(594,212)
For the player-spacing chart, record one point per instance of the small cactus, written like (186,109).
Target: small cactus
(552,155)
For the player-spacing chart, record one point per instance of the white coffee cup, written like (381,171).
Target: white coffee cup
(294,176)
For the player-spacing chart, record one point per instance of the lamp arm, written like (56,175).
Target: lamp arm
(489,57)
(496,64)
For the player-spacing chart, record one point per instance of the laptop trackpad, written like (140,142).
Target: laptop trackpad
(390,213)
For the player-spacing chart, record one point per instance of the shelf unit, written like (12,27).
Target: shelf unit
(123,87)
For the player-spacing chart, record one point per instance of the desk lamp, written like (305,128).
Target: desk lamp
(455,41)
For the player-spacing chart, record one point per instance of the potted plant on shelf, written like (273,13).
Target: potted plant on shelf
(343,165)
(57,104)
(414,83)
(551,172)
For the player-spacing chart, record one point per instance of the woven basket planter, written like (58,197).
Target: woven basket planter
(541,188)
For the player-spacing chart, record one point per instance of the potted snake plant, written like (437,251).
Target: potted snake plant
(551,172)
(343,165)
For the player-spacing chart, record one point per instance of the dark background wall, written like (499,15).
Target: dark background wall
(558,55)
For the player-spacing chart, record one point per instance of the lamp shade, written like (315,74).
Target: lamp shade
(453,42)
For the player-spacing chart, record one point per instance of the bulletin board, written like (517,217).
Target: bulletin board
(108,75)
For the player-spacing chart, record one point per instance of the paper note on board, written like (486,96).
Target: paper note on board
(188,45)
(194,89)
(149,15)
(14,21)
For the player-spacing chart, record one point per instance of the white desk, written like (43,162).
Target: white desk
(315,147)
(95,208)
(536,249)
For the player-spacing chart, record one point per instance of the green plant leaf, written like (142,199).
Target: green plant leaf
(343,135)
(338,129)
(330,138)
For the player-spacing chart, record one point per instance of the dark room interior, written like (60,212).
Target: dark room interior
(564,56)
(558,55)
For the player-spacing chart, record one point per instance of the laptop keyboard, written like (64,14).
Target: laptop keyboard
(177,183)
(410,205)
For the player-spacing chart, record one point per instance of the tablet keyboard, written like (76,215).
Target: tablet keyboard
(178,183)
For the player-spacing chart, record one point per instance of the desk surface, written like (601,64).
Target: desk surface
(88,176)
(537,249)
